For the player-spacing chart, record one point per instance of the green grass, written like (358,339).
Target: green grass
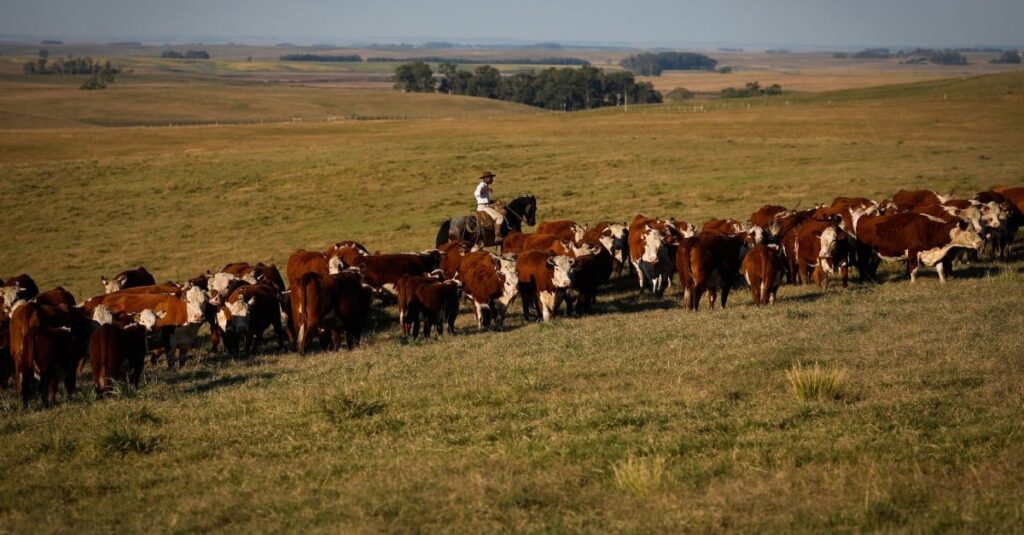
(640,418)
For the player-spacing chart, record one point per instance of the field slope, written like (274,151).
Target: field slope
(640,418)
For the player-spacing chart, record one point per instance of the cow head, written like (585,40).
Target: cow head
(993,214)
(102,315)
(110,285)
(510,287)
(234,317)
(219,282)
(653,245)
(577,232)
(561,266)
(195,304)
(826,254)
(964,235)
(335,265)
(148,318)
(9,294)
(584,250)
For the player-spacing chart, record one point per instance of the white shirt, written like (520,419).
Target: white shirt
(482,193)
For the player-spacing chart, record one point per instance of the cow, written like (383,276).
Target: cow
(452,254)
(767,216)
(764,268)
(128,279)
(708,262)
(382,271)
(6,363)
(649,252)
(587,276)
(48,344)
(916,239)
(430,300)
(247,312)
(1012,214)
(56,297)
(543,278)
(564,229)
(348,254)
(614,237)
(179,315)
(822,244)
(14,289)
(492,283)
(917,197)
(331,304)
(301,262)
(730,227)
(243,271)
(117,342)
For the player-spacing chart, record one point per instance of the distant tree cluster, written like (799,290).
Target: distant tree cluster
(752,89)
(777,51)
(916,55)
(480,61)
(650,64)
(188,54)
(679,94)
(438,44)
(355,58)
(1009,56)
(563,89)
(100,74)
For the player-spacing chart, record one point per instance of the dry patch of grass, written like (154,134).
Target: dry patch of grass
(640,476)
(816,383)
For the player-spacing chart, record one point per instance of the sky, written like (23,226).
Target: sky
(811,23)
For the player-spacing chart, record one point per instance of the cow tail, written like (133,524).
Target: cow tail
(300,320)
(443,233)
(26,369)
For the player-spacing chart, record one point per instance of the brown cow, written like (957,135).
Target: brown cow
(331,304)
(6,363)
(56,297)
(565,229)
(650,254)
(381,272)
(301,262)
(427,299)
(247,313)
(764,269)
(708,262)
(492,283)
(1008,200)
(917,197)
(452,254)
(768,215)
(543,278)
(348,254)
(128,279)
(916,239)
(823,245)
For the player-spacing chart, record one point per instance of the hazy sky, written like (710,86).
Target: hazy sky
(809,22)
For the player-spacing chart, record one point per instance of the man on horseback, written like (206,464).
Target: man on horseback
(485,204)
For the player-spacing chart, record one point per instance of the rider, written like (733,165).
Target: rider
(484,202)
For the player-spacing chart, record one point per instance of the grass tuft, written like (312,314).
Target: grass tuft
(56,442)
(640,476)
(126,436)
(343,407)
(816,383)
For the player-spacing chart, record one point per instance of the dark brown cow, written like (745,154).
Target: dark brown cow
(708,262)
(56,297)
(430,300)
(543,278)
(565,229)
(587,276)
(14,289)
(247,313)
(111,348)
(916,239)
(452,254)
(764,269)
(615,238)
(408,303)
(730,227)
(492,283)
(823,245)
(331,304)
(48,344)
(6,362)
(786,236)
(128,279)
(917,197)
(381,272)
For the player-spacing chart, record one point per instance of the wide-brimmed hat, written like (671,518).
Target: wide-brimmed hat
(487,174)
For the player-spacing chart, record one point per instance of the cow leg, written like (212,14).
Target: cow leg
(70,382)
(819,276)
(712,297)
(755,291)
(912,265)
(844,274)
(695,295)
(275,322)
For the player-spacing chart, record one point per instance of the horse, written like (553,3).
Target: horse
(467,228)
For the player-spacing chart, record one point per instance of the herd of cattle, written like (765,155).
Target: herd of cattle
(46,337)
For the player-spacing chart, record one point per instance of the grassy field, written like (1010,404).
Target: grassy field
(640,418)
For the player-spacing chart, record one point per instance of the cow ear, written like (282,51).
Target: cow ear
(161,313)
(551,261)
(962,224)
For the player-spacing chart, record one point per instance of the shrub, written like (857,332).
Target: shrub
(1010,56)
(679,94)
(640,476)
(725,70)
(816,383)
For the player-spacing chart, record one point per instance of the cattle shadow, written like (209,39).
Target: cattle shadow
(229,380)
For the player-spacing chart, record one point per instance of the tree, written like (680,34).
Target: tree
(520,87)
(414,78)
(449,71)
(486,82)
(44,54)
(1009,56)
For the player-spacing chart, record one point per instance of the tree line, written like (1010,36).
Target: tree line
(652,64)
(484,61)
(752,89)
(321,57)
(946,56)
(102,74)
(188,54)
(564,89)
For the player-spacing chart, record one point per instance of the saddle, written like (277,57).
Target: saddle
(486,221)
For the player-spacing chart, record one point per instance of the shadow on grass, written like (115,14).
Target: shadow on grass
(230,380)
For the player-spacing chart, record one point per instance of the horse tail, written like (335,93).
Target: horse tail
(443,235)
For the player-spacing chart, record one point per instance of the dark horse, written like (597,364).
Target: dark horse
(467,228)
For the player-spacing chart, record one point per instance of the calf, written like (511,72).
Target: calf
(48,344)
(614,237)
(651,258)
(564,229)
(708,262)
(111,347)
(916,239)
(331,304)
(128,279)
(764,270)
(247,313)
(823,245)
(429,299)
(543,278)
